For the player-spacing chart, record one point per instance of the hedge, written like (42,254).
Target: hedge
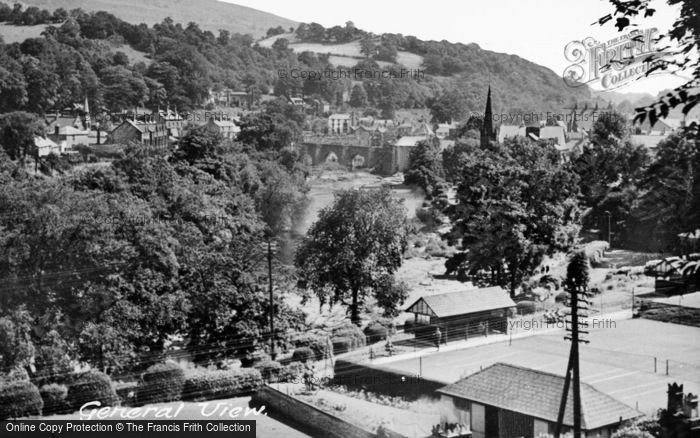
(292,373)
(161,383)
(89,387)
(19,399)
(205,385)
(316,342)
(342,345)
(526,307)
(255,357)
(351,331)
(375,332)
(270,370)
(303,354)
(55,399)
(408,325)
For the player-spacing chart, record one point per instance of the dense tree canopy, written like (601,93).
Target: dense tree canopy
(516,204)
(118,261)
(354,249)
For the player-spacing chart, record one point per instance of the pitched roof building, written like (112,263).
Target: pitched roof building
(463,313)
(227,128)
(509,401)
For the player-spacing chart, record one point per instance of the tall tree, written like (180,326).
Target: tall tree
(354,245)
(358,96)
(17,132)
(670,196)
(425,166)
(516,204)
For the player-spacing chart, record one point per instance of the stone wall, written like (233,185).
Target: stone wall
(306,417)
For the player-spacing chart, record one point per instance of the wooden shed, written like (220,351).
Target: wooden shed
(461,314)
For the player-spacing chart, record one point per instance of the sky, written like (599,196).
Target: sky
(537,30)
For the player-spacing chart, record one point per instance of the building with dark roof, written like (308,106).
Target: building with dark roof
(463,313)
(508,401)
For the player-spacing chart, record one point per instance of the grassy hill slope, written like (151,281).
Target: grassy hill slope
(209,14)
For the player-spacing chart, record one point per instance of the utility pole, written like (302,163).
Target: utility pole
(609,215)
(579,306)
(272,299)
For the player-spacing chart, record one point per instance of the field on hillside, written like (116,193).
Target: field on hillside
(343,55)
(619,360)
(16,34)
(208,14)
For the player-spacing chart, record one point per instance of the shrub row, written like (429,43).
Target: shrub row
(375,332)
(303,354)
(273,372)
(161,383)
(91,386)
(210,385)
(19,399)
(318,343)
(55,399)
(346,338)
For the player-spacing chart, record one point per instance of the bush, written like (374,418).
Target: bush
(303,354)
(375,332)
(255,357)
(342,345)
(352,332)
(55,399)
(127,393)
(53,364)
(526,307)
(17,374)
(292,373)
(270,370)
(19,399)
(408,325)
(161,383)
(211,385)
(92,386)
(316,342)
(437,248)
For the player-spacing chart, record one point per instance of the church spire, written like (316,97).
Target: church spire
(487,132)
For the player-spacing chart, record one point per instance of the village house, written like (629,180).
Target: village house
(297,101)
(45,146)
(226,128)
(555,133)
(339,124)
(445,130)
(508,401)
(69,137)
(174,123)
(510,131)
(318,107)
(150,132)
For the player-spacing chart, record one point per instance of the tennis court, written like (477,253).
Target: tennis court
(628,360)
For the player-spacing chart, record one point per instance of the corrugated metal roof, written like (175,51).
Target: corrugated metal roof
(538,394)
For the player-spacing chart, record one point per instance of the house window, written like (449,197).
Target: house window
(462,404)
